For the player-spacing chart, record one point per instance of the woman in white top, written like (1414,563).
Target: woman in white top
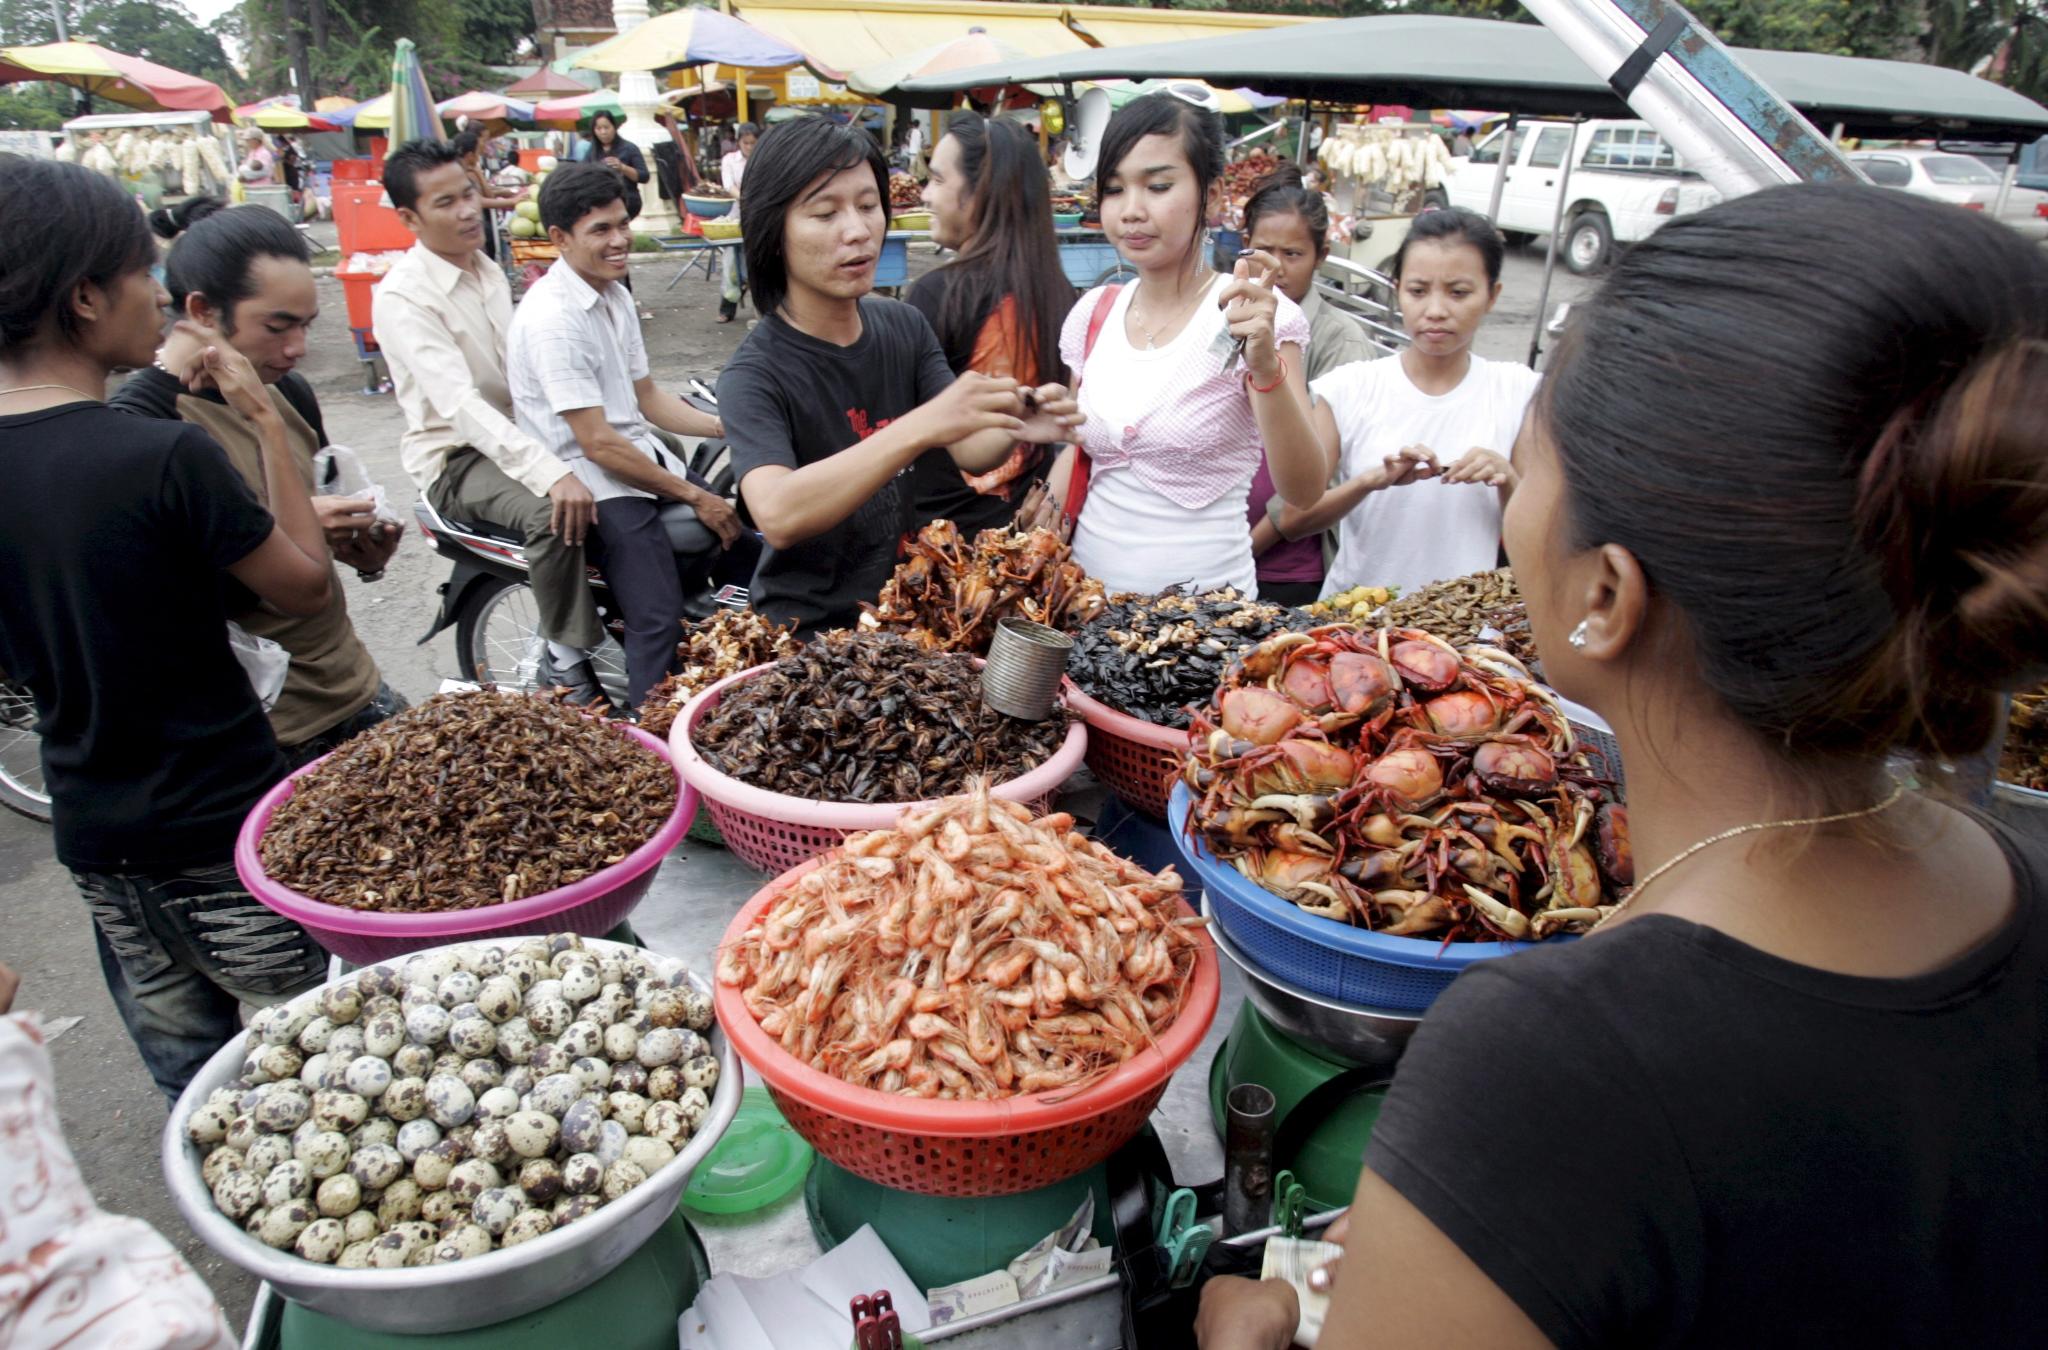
(1435,420)
(732,171)
(1177,420)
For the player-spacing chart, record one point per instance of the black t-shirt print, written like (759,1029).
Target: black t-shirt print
(111,612)
(790,399)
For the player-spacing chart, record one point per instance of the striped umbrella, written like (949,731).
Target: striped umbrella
(570,111)
(279,115)
(412,108)
(479,107)
(127,80)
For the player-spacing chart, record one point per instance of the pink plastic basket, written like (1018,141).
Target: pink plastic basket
(593,906)
(771,832)
(1139,761)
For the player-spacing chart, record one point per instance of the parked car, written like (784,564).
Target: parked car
(1946,176)
(1626,181)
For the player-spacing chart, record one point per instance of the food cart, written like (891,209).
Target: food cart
(156,154)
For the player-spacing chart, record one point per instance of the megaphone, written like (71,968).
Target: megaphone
(1084,133)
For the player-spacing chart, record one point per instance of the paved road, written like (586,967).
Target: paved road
(112,1114)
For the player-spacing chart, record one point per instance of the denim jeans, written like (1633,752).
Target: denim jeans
(387,703)
(181,950)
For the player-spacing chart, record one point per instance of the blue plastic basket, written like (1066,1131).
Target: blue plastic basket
(1353,965)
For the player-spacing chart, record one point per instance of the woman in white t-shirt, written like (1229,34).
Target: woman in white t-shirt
(1176,419)
(1435,420)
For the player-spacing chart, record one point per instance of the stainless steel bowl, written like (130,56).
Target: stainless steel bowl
(1365,1038)
(424,1300)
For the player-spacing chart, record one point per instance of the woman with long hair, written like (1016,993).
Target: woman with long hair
(998,307)
(1187,379)
(609,148)
(113,613)
(1783,523)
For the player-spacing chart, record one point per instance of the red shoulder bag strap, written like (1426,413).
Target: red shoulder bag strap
(1077,482)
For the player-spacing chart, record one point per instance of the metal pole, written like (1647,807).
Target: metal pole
(1500,174)
(1248,1158)
(2012,170)
(1564,188)
(1308,114)
(57,12)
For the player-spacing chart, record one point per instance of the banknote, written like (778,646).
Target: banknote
(1291,1259)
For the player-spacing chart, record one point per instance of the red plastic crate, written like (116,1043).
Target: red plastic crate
(355,170)
(364,223)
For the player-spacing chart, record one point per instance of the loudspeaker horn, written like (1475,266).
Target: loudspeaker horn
(1084,133)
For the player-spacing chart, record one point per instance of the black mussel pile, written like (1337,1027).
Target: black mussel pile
(1151,656)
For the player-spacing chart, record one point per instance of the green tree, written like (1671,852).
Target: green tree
(458,40)
(162,31)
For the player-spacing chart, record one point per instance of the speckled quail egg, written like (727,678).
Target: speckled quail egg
(554,1094)
(281,1061)
(571,1208)
(341,1111)
(238,1193)
(377,1166)
(521,1078)
(400,1202)
(482,1074)
(582,1174)
(282,1225)
(581,1038)
(458,987)
(321,1241)
(695,1106)
(339,1196)
(355,1256)
(496,1103)
(700,1072)
(367,1076)
(442,1210)
(529,1225)
(472,1037)
(463,1242)
(499,998)
(361,1225)
(547,1058)
(394,1249)
(253,1224)
(319,1071)
(593,1073)
(288,1181)
(663,1045)
(532,1133)
(620,1041)
(665,1121)
(346,1043)
(541,1179)
(340,1003)
(281,1023)
(516,1041)
(413,1061)
(483,962)
(219,1163)
(665,1084)
(313,1037)
(416,1137)
(648,1154)
(430,968)
(582,1125)
(629,1076)
(447,1064)
(383,1005)
(449,1101)
(471,1178)
(266,1152)
(324,1152)
(405,1100)
(548,1015)
(375,980)
(490,1142)
(698,1012)
(629,1109)
(620,1178)
(611,1143)
(496,1208)
(375,1130)
(460,1136)
(382,1035)
(665,1008)
(427,1024)
(209,1124)
(523,970)
(581,982)
(433,1168)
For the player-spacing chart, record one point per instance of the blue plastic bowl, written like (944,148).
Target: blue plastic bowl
(1352,965)
(708,208)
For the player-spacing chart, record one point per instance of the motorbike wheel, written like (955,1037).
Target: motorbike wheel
(21,758)
(498,641)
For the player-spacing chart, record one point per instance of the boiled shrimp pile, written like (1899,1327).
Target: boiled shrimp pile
(948,595)
(1386,779)
(975,951)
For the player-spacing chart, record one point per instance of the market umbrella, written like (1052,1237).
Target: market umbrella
(692,37)
(576,109)
(479,107)
(371,115)
(412,108)
(333,103)
(547,80)
(974,48)
(277,115)
(127,80)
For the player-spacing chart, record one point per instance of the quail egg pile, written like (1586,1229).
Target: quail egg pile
(464,1100)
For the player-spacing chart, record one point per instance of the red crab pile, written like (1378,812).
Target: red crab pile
(1386,779)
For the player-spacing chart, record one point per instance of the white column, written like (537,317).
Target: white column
(639,96)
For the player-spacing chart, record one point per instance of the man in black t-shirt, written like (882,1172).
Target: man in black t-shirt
(836,393)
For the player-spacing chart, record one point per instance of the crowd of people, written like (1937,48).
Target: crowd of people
(1776,512)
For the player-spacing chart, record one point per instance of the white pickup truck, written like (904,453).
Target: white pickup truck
(1626,181)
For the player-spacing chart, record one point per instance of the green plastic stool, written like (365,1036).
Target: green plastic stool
(1333,1152)
(635,1307)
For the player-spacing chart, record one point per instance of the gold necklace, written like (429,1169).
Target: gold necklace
(1898,791)
(1186,308)
(69,389)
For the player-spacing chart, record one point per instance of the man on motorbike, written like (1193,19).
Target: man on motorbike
(581,387)
(244,273)
(440,317)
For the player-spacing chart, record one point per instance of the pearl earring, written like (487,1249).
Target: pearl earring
(1578,637)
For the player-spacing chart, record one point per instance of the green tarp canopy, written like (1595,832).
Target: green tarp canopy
(1437,61)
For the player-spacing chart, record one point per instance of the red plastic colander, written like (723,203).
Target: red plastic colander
(964,1148)
(772,832)
(1139,761)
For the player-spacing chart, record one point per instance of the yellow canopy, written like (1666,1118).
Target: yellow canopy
(845,35)
(1114,26)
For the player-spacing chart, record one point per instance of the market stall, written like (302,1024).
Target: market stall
(156,154)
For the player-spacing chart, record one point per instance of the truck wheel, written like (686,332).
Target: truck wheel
(1516,238)
(1588,242)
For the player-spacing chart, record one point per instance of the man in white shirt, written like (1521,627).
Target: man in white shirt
(581,387)
(440,317)
(731,170)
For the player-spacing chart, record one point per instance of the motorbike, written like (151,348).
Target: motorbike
(488,602)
